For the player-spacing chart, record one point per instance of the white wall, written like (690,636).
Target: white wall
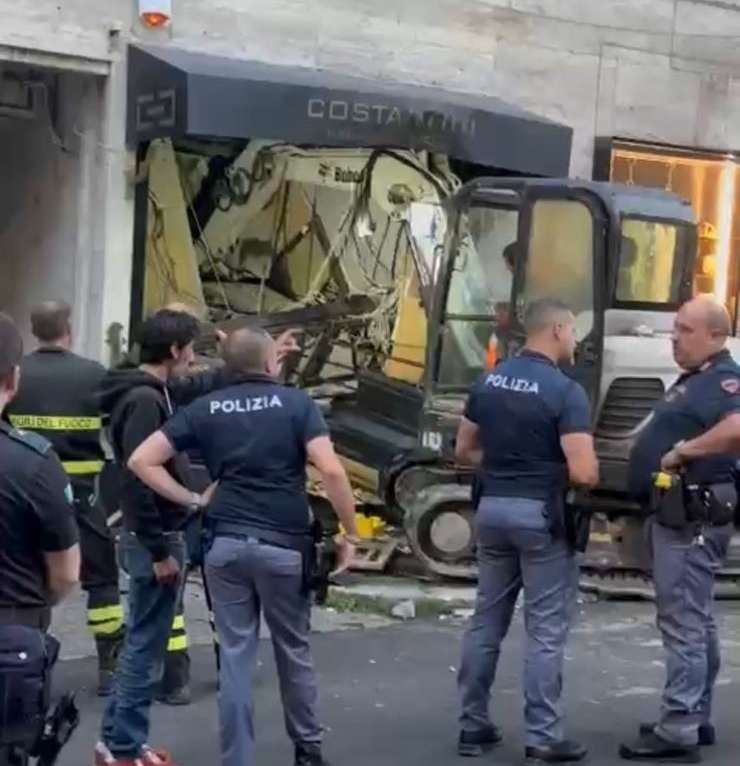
(667,70)
(48,189)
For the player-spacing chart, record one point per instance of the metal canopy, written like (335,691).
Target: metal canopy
(176,93)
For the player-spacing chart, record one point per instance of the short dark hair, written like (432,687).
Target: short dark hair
(163,330)
(50,320)
(246,350)
(543,312)
(11,345)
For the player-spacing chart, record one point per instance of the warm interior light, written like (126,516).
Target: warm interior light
(155,19)
(724,230)
(708,182)
(709,266)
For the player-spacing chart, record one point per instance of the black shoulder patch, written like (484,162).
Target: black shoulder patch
(31,440)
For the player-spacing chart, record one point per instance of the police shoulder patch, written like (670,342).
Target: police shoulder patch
(730,385)
(31,440)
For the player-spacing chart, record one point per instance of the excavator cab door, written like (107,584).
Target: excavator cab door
(562,254)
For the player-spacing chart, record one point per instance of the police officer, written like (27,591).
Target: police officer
(527,429)
(694,430)
(39,554)
(57,400)
(256,437)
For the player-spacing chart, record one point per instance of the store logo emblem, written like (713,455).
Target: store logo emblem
(155,110)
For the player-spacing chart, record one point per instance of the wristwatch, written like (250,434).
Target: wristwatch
(196,502)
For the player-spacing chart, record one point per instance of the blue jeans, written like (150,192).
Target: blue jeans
(517,552)
(151,609)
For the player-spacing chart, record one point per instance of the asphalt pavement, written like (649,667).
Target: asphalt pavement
(388,693)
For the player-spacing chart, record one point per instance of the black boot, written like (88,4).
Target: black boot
(473,744)
(651,747)
(108,648)
(707,733)
(174,688)
(309,755)
(559,752)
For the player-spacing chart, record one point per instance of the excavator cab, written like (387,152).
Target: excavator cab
(622,258)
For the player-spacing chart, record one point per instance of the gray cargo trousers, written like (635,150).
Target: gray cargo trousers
(516,551)
(683,573)
(247,578)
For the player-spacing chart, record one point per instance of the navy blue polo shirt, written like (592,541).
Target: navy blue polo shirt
(253,438)
(522,408)
(696,402)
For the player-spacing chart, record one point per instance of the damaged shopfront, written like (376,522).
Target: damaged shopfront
(296,198)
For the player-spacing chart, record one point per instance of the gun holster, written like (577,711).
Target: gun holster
(58,728)
(323,563)
(668,503)
(569,519)
(683,504)
(27,656)
(577,521)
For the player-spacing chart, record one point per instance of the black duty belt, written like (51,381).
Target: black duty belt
(29,616)
(300,543)
(684,504)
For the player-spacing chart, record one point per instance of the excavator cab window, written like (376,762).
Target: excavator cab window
(563,241)
(653,260)
(477,300)
(560,262)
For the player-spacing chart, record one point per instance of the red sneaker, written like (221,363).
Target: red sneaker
(152,756)
(149,757)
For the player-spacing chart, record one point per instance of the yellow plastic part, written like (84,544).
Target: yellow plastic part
(368,527)
(663,480)
(409,339)
(171,262)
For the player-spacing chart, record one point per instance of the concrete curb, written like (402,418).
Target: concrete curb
(402,600)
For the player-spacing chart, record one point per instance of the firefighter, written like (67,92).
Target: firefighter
(56,399)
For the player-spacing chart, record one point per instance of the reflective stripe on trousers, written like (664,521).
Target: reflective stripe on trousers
(178,636)
(516,551)
(105,620)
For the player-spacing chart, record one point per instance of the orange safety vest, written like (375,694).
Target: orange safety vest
(491,353)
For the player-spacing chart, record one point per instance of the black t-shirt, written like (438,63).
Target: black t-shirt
(253,438)
(36,516)
(522,408)
(694,404)
(57,400)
